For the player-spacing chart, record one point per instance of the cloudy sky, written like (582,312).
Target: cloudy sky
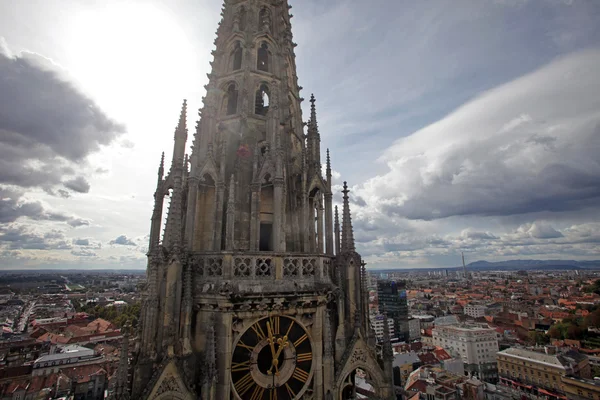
(476,123)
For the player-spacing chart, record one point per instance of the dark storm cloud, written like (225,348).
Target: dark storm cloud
(79,184)
(123,241)
(21,238)
(13,206)
(46,124)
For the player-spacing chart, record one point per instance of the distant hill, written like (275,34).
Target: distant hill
(532,264)
(512,265)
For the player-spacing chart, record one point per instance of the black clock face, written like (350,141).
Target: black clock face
(272,360)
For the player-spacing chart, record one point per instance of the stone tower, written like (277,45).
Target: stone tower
(252,292)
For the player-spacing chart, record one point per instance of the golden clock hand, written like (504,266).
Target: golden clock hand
(282,343)
(271,341)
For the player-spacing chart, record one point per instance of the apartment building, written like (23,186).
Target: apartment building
(541,373)
(477,345)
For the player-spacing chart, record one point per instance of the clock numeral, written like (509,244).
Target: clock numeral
(258,392)
(300,340)
(275,323)
(245,346)
(300,375)
(289,329)
(243,366)
(304,357)
(259,332)
(273,394)
(291,393)
(244,384)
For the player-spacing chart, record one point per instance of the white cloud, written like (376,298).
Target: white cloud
(529,145)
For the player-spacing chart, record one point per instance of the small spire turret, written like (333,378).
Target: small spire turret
(347,230)
(336,230)
(161,168)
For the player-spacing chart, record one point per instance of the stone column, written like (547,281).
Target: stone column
(318,339)
(277,213)
(320,233)
(328,224)
(218,214)
(191,212)
(224,339)
(254,217)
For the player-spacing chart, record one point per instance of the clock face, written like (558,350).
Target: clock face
(272,360)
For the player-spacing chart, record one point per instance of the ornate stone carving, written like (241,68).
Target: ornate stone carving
(359,355)
(168,385)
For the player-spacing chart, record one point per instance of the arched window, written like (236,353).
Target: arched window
(232,98)
(264,20)
(236,56)
(263,57)
(261,106)
(242,16)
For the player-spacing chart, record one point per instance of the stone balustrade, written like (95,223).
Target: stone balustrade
(261,266)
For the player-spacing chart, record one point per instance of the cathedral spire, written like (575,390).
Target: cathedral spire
(313,141)
(161,168)
(347,231)
(337,231)
(328,171)
(181,133)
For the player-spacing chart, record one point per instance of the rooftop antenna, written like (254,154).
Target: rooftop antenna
(464,266)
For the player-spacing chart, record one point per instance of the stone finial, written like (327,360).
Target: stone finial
(161,168)
(347,230)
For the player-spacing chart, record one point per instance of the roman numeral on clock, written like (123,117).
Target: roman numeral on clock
(258,392)
(304,357)
(259,332)
(244,384)
(301,375)
(243,366)
(300,340)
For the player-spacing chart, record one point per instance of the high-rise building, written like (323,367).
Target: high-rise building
(254,290)
(476,345)
(392,300)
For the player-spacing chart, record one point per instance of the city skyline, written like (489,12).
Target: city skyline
(480,143)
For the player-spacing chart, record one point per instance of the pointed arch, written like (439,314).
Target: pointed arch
(206,201)
(242,18)
(265,20)
(236,56)
(264,58)
(261,102)
(360,356)
(230,99)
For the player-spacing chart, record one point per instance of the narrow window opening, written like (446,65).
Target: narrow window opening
(232,97)
(264,20)
(261,106)
(242,19)
(237,57)
(266,237)
(263,57)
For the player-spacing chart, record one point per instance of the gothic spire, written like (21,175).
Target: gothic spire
(161,168)
(313,137)
(347,231)
(181,133)
(313,116)
(336,229)
(328,170)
